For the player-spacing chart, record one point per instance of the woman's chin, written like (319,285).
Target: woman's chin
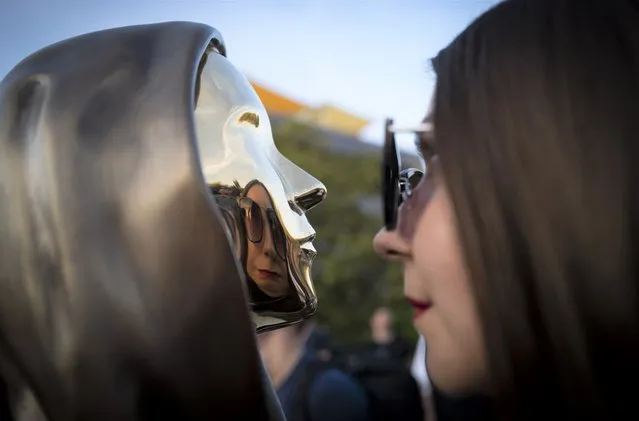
(270,287)
(455,379)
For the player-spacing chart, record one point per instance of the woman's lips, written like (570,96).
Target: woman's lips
(269,274)
(419,306)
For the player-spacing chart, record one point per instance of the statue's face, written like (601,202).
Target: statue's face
(263,195)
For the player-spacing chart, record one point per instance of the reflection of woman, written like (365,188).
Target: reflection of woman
(266,244)
(260,241)
(520,244)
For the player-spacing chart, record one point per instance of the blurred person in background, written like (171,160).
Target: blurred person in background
(519,244)
(321,343)
(310,388)
(382,366)
(385,342)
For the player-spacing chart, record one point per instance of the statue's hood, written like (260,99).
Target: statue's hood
(120,297)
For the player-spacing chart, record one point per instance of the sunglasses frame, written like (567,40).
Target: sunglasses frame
(397,185)
(246,203)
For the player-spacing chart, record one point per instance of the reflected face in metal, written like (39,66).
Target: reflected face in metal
(264,197)
(266,245)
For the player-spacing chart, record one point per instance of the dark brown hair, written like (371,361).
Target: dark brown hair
(537,127)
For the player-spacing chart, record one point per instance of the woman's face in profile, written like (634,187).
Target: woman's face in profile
(264,265)
(436,282)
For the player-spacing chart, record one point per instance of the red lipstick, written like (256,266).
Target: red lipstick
(419,306)
(269,274)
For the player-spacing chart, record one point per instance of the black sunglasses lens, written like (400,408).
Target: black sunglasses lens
(279,238)
(391,200)
(254,223)
(390,178)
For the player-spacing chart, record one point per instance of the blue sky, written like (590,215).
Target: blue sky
(367,56)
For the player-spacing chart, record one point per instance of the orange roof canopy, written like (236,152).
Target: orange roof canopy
(276,103)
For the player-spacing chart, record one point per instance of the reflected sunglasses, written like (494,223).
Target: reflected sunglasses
(397,186)
(257,219)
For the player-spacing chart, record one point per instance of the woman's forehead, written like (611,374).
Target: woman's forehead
(260,196)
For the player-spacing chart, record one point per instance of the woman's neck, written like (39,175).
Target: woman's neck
(281,353)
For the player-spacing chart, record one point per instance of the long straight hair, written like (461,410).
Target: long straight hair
(537,126)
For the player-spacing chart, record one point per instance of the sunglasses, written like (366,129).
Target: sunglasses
(258,219)
(397,186)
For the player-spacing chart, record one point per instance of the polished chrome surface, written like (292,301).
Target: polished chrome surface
(246,171)
(121,297)
(409,178)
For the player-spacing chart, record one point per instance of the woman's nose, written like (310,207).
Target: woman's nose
(267,242)
(390,245)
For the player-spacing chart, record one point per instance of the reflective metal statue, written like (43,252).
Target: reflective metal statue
(121,297)
(263,195)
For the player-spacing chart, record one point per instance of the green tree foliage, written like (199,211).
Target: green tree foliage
(350,279)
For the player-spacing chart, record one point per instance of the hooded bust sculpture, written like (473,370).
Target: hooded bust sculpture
(128,159)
